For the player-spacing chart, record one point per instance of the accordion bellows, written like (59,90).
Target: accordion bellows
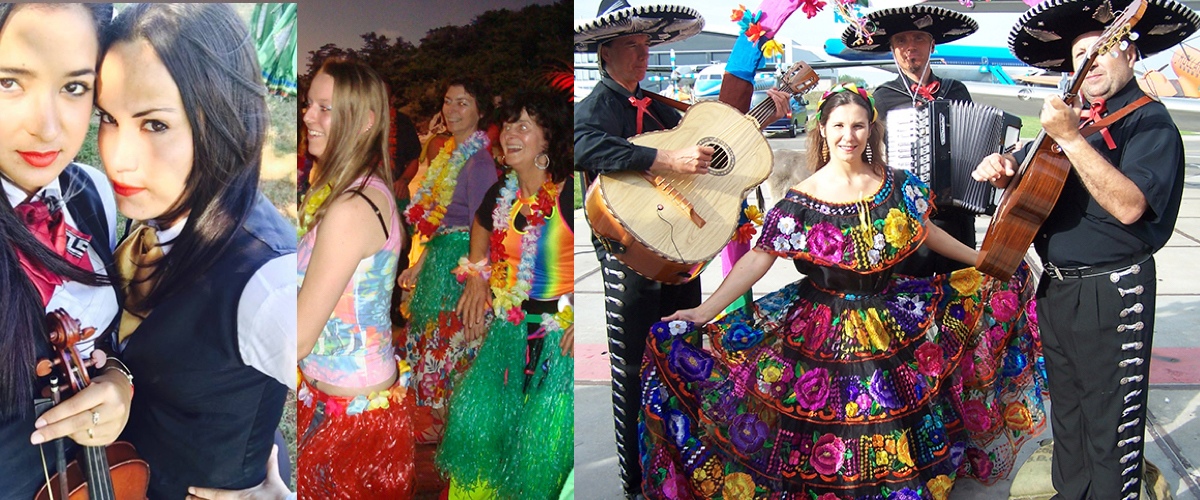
(942,142)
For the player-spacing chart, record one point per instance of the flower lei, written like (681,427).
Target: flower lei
(310,209)
(431,201)
(507,300)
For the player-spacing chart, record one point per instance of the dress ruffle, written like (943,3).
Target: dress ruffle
(891,392)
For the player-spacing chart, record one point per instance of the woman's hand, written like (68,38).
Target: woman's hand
(272,488)
(567,342)
(696,315)
(408,278)
(476,298)
(102,408)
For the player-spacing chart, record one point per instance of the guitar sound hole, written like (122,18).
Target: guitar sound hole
(722,159)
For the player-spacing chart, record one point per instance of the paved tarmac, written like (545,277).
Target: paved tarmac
(1173,436)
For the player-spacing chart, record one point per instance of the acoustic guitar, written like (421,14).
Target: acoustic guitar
(668,227)
(1033,191)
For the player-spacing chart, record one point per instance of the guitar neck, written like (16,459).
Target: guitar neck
(95,470)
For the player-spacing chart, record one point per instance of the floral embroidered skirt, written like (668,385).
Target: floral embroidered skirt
(434,344)
(810,394)
(511,429)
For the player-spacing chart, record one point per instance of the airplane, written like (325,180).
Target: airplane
(960,62)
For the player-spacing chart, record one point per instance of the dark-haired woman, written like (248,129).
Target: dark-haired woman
(511,419)
(851,383)
(210,289)
(442,209)
(56,237)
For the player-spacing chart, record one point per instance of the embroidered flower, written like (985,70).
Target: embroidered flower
(922,206)
(748,433)
(904,494)
(738,486)
(966,281)
(882,459)
(826,242)
(881,389)
(852,409)
(782,243)
(786,225)
(881,339)
(902,451)
(975,415)
(1031,312)
(813,324)
(879,241)
(741,337)
(981,464)
(679,426)
(897,228)
(1014,362)
(661,331)
(940,486)
(996,335)
(930,360)
(1004,306)
(1017,417)
(690,363)
(797,240)
(828,453)
(675,487)
(812,389)
(678,328)
(957,453)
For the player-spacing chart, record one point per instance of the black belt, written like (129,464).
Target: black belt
(1114,269)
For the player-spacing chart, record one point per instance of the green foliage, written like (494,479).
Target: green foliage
(509,49)
(862,84)
(282,134)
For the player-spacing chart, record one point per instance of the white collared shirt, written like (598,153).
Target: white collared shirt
(93,306)
(266,319)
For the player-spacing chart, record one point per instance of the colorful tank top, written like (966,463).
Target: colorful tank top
(355,348)
(554,267)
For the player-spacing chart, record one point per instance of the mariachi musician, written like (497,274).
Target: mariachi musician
(911,33)
(1095,303)
(616,110)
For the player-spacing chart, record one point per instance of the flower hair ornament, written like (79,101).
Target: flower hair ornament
(847,87)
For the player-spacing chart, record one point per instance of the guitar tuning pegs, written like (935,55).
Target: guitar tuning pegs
(1124,45)
(1134,36)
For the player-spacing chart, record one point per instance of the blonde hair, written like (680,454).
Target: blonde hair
(351,153)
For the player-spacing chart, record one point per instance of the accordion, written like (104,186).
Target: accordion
(943,141)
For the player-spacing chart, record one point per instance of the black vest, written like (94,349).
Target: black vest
(200,416)
(20,462)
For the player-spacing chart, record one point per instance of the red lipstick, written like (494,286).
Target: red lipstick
(126,191)
(39,160)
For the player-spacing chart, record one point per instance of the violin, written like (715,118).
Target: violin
(113,472)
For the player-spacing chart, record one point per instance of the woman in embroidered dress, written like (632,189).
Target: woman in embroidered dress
(356,438)
(441,209)
(851,383)
(511,433)
(57,233)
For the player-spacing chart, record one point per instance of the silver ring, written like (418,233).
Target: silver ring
(95,417)
(90,435)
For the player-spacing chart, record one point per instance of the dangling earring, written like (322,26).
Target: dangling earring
(867,154)
(824,149)
(541,161)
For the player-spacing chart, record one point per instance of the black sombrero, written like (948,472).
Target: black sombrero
(1043,36)
(663,23)
(944,25)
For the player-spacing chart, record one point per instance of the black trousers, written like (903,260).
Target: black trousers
(1096,338)
(632,304)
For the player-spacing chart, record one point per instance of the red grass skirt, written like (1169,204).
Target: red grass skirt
(364,456)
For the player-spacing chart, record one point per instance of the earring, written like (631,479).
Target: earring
(542,161)
(867,154)
(825,149)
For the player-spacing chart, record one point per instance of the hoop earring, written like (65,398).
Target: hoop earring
(543,165)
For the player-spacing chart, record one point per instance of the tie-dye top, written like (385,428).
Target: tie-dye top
(355,348)
(554,266)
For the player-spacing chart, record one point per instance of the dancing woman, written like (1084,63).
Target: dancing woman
(356,438)
(850,383)
(511,421)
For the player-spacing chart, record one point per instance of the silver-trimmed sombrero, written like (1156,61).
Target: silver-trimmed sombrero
(943,24)
(1043,35)
(663,23)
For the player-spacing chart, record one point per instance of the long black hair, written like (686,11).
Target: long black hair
(210,56)
(22,316)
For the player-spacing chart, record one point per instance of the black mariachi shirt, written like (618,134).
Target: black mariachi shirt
(605,119)
(896,94)
(1079,232)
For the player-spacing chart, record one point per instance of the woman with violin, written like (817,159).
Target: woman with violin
(208,264)
(56,240)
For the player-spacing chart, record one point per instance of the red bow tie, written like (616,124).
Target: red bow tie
(926,91)
(1094,114)
(49,228)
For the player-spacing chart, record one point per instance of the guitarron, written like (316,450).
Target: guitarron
(668,227)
